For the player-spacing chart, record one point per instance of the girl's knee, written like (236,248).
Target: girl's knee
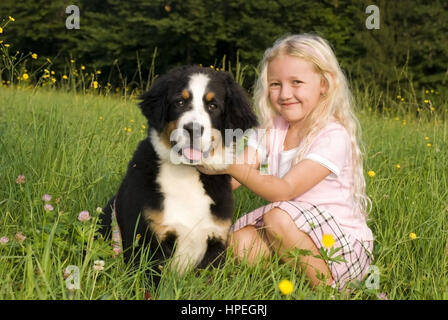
(243,237)
(277,221)
(247,243)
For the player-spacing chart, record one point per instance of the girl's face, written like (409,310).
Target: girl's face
(294,87)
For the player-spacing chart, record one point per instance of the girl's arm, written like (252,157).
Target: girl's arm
(302,177)
(251,158)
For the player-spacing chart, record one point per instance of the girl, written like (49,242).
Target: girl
(315,183)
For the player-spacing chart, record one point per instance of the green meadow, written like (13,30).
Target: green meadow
(75,148)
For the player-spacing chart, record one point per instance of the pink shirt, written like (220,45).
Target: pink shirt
(332,149)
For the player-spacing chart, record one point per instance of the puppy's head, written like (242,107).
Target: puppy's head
(190,110)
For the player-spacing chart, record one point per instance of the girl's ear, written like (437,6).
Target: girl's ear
(324,86)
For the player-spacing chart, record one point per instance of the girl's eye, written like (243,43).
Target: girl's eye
(274,84)
(297,82)
(179,103)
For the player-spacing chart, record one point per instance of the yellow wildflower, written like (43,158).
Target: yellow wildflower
(34,56)
(412,236)
(64,77)
(397,166)
(95,84)
(11,19)
(25,76)
(328,241)
(286,287)
(7,45)
(371,173)
(429,145)
(1,30)
(83,67)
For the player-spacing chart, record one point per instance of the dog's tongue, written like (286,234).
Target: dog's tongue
(192,154)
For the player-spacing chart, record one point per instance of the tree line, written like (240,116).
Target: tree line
(121,37)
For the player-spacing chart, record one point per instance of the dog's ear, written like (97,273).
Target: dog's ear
(154,103)
(239,114)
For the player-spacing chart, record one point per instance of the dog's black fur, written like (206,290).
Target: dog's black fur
(141,201)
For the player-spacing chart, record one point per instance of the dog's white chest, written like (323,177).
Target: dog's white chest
(186,202)
(186,210)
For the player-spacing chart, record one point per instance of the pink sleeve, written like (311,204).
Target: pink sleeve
(331,148)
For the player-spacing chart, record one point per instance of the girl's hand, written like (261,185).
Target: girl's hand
(210,171)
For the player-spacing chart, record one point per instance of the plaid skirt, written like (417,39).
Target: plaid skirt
(317,223)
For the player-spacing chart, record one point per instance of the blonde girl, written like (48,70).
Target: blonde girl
(314,180)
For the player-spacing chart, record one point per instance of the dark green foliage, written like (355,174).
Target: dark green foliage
(116,35)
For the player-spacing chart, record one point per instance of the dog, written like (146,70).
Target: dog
(176,210)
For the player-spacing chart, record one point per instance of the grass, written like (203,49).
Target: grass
(76,148)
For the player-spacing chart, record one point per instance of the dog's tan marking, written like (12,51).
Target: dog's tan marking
(209,96)
(166,133)
(154,218)
(185,94)
(225,226)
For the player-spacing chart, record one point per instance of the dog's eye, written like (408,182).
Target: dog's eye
(212,107)
(179,103)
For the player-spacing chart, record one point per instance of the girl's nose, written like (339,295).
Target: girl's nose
(285,92)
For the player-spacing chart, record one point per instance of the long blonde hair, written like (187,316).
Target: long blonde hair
(336,104)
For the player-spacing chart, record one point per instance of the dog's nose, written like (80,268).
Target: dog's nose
(194,129)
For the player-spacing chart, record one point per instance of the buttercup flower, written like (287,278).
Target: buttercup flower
(84,216)
(1,30)
(286,287)
(34,56)
(371,173)
(412,236)
(328,241)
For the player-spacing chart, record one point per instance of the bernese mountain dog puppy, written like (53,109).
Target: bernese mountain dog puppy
(178,211)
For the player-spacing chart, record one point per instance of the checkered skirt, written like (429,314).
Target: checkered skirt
(317,222)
